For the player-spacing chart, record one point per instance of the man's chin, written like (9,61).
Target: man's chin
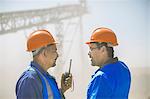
(54,65)
(93,64)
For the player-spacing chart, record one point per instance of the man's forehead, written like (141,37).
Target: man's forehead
(91,45)
(53,46)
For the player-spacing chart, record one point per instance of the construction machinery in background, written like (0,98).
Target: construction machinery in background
(62,17)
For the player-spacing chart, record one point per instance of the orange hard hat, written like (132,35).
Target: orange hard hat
(103,35)
(38,39)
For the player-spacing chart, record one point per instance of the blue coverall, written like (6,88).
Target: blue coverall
(112,81)
(35,83)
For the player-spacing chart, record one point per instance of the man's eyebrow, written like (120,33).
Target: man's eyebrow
(54,48)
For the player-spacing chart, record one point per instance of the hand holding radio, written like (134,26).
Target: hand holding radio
(66,79)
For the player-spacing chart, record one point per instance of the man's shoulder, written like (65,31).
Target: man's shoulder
(122,65)
(28,82)
(29,75)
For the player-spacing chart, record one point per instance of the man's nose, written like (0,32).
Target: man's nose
(57,55)
(89,54)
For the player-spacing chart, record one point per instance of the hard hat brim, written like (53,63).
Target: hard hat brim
(92,41)
(88,43)
(116,44)
(48,44)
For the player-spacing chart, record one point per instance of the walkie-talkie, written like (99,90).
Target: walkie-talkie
(70,65)
(66,81)
(66,74)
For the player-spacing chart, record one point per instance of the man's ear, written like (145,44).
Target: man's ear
(44,53)
(103,48)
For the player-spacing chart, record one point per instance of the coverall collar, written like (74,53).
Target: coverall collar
(106,65)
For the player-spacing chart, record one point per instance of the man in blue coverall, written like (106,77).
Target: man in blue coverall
(36,82)
(112,80)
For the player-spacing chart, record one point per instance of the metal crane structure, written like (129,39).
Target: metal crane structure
(11,22)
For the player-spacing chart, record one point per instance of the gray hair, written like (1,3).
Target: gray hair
(37,51)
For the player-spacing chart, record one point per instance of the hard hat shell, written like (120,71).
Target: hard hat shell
(103,35)
(38,39)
